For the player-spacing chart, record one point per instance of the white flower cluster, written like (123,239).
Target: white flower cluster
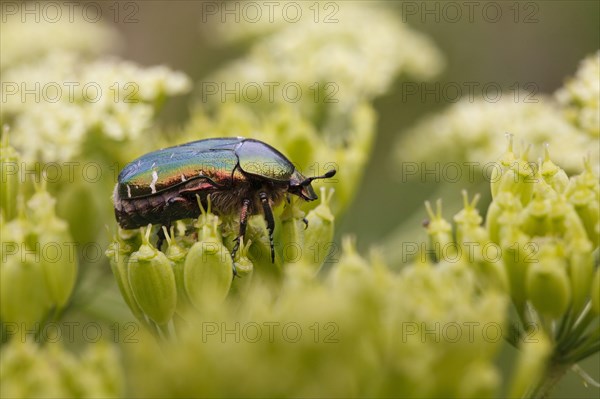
(473,131)
(580,96)
(360,55)
(55,101)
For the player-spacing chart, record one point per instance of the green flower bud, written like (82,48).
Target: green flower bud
(503,213)
(244,269)
(581,272)
(352,268)
(468,218)
(583,194)
(292,232)
(35,371)
(176,254)
(81,204)
(517,254)
(318,237)
(564,219)
(588,209)
(243,265)
(208,267)
(552,174)
(153,282)
(536,216)
(595,293)
(493,274)
(548,286)
(57,253)
(41,206)
(9,173)
(259,252)
(118,253)
(207,222)
(504,164)
(24,297)
(519,179)
(440,232)
(476,249)
(59,264)
(41,265)
(207,272)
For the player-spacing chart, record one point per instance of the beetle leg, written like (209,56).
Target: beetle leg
(243,223)
(264,199)
(161,235)
(305,221)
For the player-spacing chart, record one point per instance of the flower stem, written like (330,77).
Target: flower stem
(554,372)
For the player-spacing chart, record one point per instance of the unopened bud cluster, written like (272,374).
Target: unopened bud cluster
(39,263)
(546,228)
(195,270)
(32,371)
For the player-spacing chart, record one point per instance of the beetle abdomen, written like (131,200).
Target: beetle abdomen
(156,209)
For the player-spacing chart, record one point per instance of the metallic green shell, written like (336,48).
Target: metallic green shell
(213,160)
(157,171)
(260,159)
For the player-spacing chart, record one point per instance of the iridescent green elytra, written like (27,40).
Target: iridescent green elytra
(241,175)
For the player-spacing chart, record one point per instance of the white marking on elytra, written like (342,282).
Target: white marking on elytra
(154,180)
(128,191)
(183,179)
(172,155)
(153,165)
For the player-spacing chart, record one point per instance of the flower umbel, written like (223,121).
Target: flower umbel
(39,262)
(195,271)
(540,235)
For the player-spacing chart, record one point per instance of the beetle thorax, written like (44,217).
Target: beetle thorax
(227,202)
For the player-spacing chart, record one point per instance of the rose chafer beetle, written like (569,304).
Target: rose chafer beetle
(242,176)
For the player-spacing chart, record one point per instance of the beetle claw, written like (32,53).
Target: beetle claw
(305,221)
(161,235)
(264,199)
(234,269)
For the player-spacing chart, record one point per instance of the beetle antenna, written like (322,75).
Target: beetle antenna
(327,175)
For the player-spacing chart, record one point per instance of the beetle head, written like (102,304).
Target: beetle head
(301,186)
